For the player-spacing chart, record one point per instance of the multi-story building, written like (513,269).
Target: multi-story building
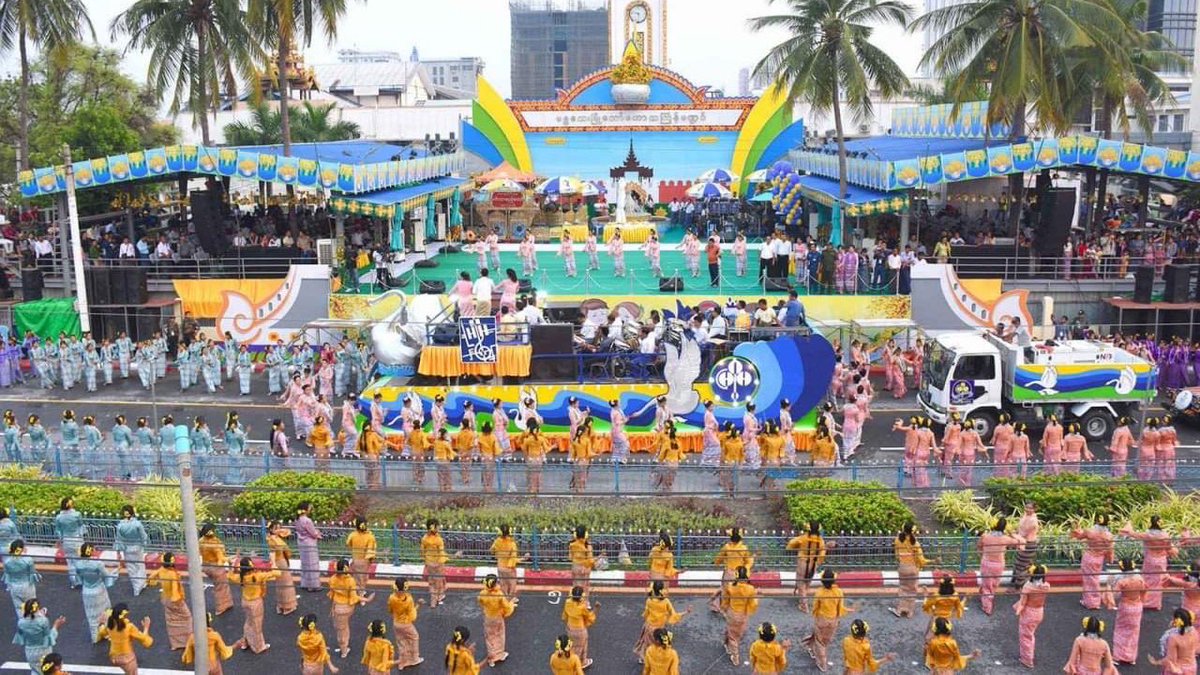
(556,43)
(455,74)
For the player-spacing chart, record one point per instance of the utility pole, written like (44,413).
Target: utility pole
(81,299)
(183,455)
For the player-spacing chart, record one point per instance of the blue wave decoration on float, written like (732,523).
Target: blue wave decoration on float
(797,368)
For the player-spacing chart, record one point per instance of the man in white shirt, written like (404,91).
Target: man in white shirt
(718,327)
(127,251)
(766,255)
(482,290)
(763,316)
(532,313)
(163,250)
(783,253)
(648,344)
(699,330)
(239,239)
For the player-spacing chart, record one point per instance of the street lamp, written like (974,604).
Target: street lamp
(183,457)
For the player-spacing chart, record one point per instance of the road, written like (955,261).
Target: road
(537,622)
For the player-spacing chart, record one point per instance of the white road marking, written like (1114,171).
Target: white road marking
(106,670)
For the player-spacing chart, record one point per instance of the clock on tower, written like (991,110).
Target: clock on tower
(642,22)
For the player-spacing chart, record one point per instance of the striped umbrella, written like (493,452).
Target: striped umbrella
(502,185)
(709,191)
(560,185)
(717,176)
(758,176)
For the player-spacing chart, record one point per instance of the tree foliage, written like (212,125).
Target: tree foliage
(310,124)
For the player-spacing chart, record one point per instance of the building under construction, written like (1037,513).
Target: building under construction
(555,43)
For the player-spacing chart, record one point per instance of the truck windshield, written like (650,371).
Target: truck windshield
(938,363)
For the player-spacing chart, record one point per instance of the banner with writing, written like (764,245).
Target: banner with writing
(477,339)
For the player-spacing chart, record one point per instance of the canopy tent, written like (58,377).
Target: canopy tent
(385,203)
(507,171)
(355,167)
(858,201)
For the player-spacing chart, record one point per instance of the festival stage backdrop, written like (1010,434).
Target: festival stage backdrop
(798,369)
(679,130)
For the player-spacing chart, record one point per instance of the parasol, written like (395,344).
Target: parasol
(717,176)
(560,185)
(709,191)
(502,185)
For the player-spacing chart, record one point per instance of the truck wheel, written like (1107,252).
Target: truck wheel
(984,423)
(1097,425)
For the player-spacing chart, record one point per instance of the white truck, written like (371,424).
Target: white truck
(979,376)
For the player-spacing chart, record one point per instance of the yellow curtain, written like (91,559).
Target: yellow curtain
(204,297)
(445,361)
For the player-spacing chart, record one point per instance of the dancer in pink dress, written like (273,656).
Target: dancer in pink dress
(739,254)
(305,411)
(350,422)
(951,442)
(500,429)
(1098,550)
(1090,654)
(1075,449)
(992,546)
(852,422)
(1179,646)
(480,249)
(1147,462)
(691,253)
(1051,447)
(493,247)
(1002,438)
(836,385)
(653,255)
(711,454)
(1030,609)
(923,452)
(620,439)
(567,252)
(1190,583)
(1020,453)
(886,357)
(787,428)
(1122,440)
(437,416)
(291,400)
(1168,439)
(509,286)
(464,296)
(971,444)
(750,428)
(910,441)
(1158,549)
(1130,589)
(590,248)
(528,252)
(616,250)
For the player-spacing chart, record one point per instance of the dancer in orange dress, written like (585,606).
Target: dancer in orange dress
(739,602)
(496,610)
(314,655)
(946,604)
(733,554)
(379,655)
(403,609)
(466,445)
(564,661)
(583,559)
(857,654)
(910,559)
(810,555)
(768,657)
(433,553)
(218,651)
(829,606)
(657,614)
(579,616)
(942,654)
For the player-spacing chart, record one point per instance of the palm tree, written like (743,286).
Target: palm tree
(49,25)
(196,46)
(314,124)
(1123,82)
(263,128)
(293,23)
(828,59)
(1019,48)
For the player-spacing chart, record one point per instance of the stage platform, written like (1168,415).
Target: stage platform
(1149,317)
(551,277)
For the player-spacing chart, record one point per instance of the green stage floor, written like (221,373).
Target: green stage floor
(551,276)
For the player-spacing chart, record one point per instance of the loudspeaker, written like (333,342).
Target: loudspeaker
(553,339)
(445,334)
(436,287)
(206,216)
(137,289)
(31,284)
(1143,283)
(1057,206)
(118,291)
(778,284)
(524,286)
(670,285)
(425,264)
(96,282)
(1178,280)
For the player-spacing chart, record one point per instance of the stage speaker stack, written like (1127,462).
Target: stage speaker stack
(1178,284)
(210,227)
(1143,283)
(1057,206)
(137,288)
(96,282)
(31,284)
(670,285)
(118,291)
(550,340)
(778,284)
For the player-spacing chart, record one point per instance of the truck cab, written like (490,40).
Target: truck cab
(979,376)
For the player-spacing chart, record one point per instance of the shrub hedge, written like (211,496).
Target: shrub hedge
(1064,497)
(846,506)
(275,496)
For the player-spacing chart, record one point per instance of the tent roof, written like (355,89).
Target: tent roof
(345,152)
(855,194)
(506,170)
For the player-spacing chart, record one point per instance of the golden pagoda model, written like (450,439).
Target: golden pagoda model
(301,79)
(631,79)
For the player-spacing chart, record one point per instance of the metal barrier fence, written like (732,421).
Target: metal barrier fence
(640,476)
(400,543)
